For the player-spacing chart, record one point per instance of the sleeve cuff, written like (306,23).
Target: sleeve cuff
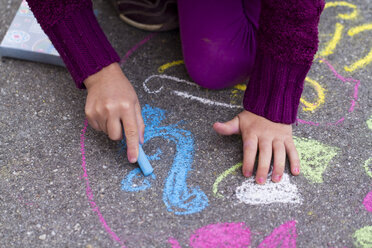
(275,88)
(82,45)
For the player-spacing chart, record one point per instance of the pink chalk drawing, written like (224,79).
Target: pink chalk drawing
(218,235)
(88,189)
(89,192)
(367,202)
(133,49)
(239,235)
(221,235)
(283,236)
(353,100)
(174,243)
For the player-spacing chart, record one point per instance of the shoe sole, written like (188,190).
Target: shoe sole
(148,27)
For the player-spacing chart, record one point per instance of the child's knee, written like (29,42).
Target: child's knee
(219,67)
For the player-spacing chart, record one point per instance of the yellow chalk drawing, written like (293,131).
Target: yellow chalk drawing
(320,92)
(221,177)
(368,167)
(241,87)
(166,66)
(348,16)
(369,123)
(331,46)
(308,105)
(363,237)
(368,58)
(356,30)
(235,93)
(360,63)
(234,97)
(315,157)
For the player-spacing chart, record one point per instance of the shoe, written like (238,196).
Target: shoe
(150,15)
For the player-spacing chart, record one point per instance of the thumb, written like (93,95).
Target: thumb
(227,128)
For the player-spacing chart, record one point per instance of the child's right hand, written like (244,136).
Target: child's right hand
(111,101)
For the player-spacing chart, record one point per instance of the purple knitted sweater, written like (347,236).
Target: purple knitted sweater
(287,42)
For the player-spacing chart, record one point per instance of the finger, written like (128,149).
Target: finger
(249,153)
(103,125)
(131,134)
(294,159)
(279,160)
(94,124)
(140,123)
(114,130)
(91,118)
(227,128)
(264,159)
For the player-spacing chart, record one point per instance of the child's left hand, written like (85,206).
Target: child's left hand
(266,136)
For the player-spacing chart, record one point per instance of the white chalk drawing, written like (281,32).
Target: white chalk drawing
(204,100)
(255,194)
(184,94)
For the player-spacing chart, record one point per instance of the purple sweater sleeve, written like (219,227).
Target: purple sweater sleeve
(76,34)
(287,43)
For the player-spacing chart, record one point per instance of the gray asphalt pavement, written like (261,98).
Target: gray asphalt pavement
(64,185)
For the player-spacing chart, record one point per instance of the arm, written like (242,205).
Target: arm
(91,60)
(287,43)
(76,34)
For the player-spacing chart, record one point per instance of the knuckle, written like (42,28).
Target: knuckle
(89,113)
(130,134)
(296,162)
(125,106)
(278,144)
(98,110)
(250,144)
(265,145)
(279,167)
(109,107)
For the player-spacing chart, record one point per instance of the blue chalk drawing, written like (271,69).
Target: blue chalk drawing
(129,185)
(177,196)
(155,156)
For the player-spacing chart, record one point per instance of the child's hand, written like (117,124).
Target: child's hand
(269,137)
(111,101)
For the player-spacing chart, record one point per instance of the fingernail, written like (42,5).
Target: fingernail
(276,178)
(296,170)
(132,159)
(260,180)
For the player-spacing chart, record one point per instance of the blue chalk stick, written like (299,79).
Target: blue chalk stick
(144,163)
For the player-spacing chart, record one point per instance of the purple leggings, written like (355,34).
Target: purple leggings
(219,40)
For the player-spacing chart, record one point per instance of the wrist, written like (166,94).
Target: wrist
(101,75)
